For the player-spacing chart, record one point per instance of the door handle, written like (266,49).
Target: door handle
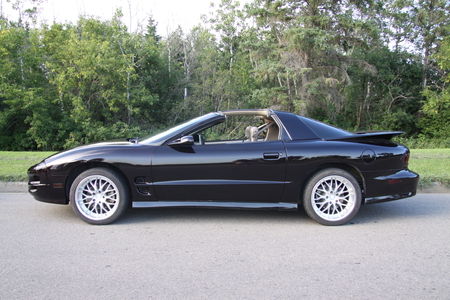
(272,155)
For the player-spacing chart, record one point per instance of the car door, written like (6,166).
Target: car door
(235,171)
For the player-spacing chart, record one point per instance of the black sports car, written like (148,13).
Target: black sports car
(259,159)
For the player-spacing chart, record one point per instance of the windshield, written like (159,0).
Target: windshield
(176,131)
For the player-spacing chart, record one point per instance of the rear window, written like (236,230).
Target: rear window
(323,130)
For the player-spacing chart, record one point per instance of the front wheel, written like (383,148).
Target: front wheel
(99,196)
(332,197)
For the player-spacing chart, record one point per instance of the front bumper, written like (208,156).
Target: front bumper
(42,188)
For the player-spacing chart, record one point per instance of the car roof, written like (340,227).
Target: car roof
(247,112)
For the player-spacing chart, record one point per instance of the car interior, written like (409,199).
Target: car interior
(231,132)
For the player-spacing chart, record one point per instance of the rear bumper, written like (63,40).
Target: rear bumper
(398,185)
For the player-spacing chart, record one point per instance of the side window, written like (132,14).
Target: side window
(238,129)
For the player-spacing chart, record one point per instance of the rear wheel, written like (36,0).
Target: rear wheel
(332,197)
(99,196)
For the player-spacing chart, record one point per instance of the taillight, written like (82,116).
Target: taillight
(406,157)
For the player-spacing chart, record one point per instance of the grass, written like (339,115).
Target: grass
(14,165)
(433,165)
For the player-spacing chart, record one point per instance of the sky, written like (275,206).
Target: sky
(167,13)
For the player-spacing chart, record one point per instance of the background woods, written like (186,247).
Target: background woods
(357,64)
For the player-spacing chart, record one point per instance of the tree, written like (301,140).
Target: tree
(27,11)
(24,89)
(424,24)
(385,97)
(436,108)
(353,63)
(95,71)
(303,51)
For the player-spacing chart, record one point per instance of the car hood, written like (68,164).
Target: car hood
(89,152)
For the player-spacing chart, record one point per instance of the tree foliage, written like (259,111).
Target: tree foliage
(361,65)
(436,107)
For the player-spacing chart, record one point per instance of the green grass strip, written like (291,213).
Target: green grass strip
(433,165)
(14,165)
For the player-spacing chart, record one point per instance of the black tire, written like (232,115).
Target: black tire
(332,197)
(99,196)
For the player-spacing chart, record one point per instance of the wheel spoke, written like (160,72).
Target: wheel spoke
(333,198)
(97,197)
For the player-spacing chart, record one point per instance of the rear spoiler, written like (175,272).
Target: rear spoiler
(368,136)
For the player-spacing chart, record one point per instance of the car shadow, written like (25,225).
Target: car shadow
(208,215)
(411,208)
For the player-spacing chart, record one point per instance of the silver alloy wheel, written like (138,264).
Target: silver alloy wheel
(333,198)
(97,197)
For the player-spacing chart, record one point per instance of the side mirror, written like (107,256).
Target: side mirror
(183,141)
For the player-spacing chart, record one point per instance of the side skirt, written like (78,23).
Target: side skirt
(231,205)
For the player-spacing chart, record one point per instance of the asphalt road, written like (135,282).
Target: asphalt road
(395,250)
